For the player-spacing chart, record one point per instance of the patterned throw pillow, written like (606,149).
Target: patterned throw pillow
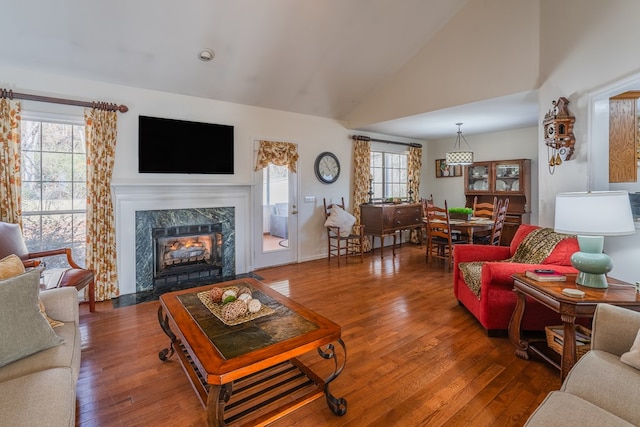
(12,266)
(24,331)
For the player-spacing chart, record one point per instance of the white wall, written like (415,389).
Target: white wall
(595,47)
(506,145)
(312,134)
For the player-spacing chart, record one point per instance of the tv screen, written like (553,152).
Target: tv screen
(178,146)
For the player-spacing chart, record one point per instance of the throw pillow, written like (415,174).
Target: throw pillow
(342,219)
(632,357)
(11,266)
(561,254)
(24,330)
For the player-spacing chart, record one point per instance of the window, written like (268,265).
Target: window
(54,189)
(390,174)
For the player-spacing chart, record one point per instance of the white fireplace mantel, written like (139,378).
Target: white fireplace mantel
(131,198)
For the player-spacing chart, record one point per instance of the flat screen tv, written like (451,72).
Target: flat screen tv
(178,146)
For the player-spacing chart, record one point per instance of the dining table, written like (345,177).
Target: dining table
(468,227)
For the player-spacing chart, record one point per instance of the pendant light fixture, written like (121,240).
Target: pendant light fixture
(458,156)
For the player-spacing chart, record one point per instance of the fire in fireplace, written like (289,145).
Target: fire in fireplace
(184,253)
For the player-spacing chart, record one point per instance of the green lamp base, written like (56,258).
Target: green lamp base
(591,262)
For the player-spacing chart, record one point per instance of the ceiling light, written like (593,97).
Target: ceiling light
(206,55)
(458,156)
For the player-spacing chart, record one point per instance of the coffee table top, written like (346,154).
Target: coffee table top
(225,352)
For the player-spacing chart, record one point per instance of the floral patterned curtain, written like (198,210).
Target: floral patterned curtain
(361,174)
(415,163)
(10,180)
(278,153)
(100,134)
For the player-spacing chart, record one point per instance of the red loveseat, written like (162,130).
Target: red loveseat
(497,300)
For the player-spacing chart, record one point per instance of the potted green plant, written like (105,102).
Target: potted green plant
(460,213)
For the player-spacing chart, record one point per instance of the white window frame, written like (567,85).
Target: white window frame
(383,181)
(67,119)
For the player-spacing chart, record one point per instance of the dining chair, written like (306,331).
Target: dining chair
(484,210)
(425,204)
(344,238)
(495,235)
(498,225)
(440,241)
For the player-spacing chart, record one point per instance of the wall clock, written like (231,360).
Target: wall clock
(327,167)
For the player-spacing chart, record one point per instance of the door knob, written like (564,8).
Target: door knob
(294,211)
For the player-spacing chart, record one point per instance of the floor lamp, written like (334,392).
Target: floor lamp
(592,215)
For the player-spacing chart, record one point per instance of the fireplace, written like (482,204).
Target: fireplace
(186,252)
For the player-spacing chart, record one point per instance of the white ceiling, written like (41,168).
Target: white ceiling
(318,57)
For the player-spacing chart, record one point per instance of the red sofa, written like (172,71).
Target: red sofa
(497,300)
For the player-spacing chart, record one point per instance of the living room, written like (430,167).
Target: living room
(576,49)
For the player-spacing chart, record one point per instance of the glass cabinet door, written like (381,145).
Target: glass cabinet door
(508,177)
(478,177)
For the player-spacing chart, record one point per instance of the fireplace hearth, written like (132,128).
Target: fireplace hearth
(186,253)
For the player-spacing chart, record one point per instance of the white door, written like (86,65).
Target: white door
(276,217)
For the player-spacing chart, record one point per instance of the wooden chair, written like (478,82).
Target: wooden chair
(440,240)
(484,210)
(339,244)
(426,203)
(12,242)
(498,225)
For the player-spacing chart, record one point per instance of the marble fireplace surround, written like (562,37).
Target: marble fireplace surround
(132,198)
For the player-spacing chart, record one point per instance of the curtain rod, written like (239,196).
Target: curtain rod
(366,138)
(4,93)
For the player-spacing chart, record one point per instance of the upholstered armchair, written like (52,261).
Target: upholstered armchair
(494,302)
(278,219)
(12,242)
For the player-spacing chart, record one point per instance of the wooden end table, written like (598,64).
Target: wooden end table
(248,373)
(550,294)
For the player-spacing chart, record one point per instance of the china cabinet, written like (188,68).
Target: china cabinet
(502,179)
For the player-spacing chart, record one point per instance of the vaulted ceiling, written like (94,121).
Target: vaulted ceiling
(317,57)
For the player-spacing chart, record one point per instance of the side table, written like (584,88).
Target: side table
(550,294)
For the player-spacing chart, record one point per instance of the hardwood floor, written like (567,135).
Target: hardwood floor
(415,357)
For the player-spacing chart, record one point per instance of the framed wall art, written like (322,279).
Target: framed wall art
(443,170)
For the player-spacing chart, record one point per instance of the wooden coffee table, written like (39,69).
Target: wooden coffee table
(248,373)
(550,294)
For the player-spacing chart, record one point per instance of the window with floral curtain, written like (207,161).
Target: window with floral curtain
(100,134)
(10,181)
(361,175)
(415,164)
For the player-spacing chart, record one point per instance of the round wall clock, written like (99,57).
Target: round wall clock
(327,167)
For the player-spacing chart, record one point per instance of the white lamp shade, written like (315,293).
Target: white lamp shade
(459,158)
(594,213)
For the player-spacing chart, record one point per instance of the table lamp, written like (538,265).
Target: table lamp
(593,215)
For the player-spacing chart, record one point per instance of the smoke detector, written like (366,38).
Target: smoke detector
(206,55)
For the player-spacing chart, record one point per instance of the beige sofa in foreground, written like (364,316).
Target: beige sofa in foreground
(40,389)
(600,390)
